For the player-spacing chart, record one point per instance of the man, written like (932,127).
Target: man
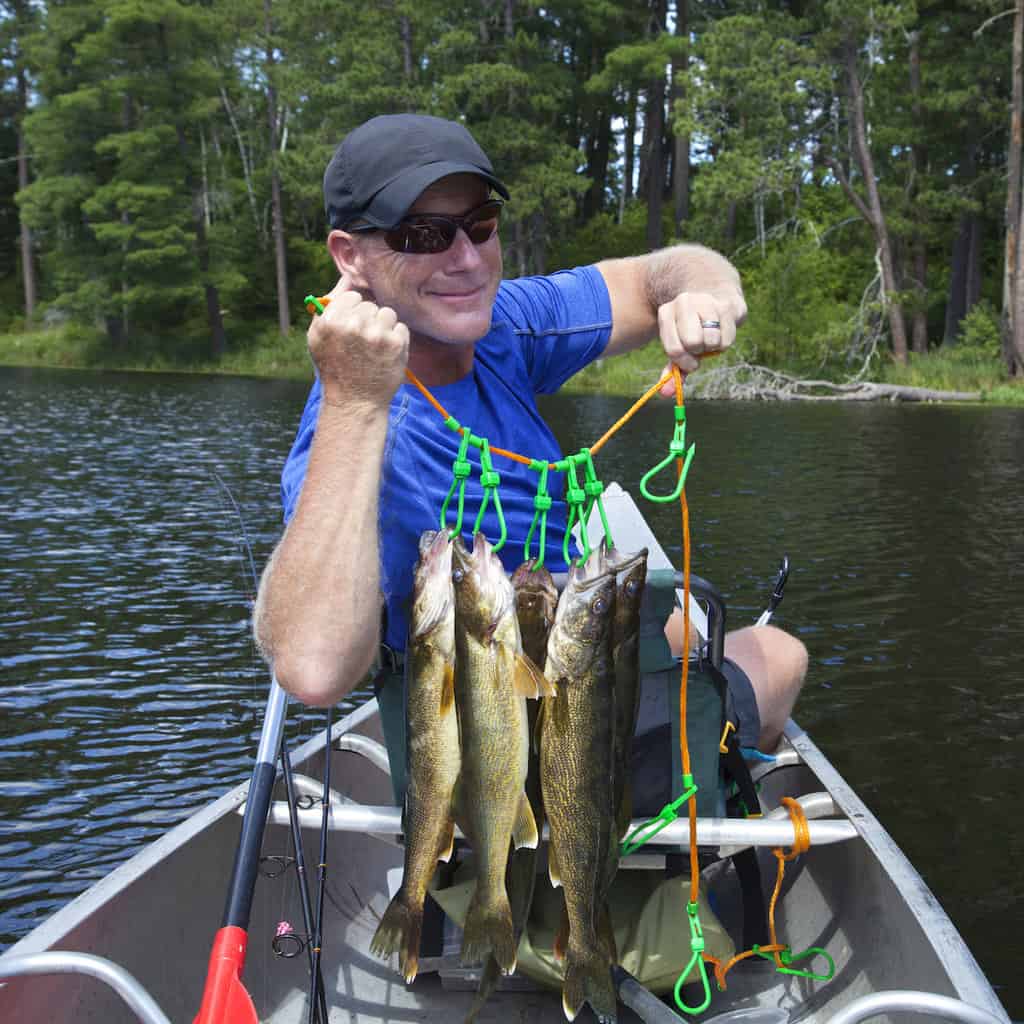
(414,238)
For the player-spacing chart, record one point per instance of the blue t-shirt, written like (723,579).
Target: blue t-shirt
(544,330)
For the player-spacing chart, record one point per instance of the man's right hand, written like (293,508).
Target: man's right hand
(359,349)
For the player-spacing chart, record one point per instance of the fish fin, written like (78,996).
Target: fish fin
(588,979)
(488,983)
(529,681)
(607,933)
(554,871)
(561,940)
(448,688)
(489,930)
(524,828)
(625,814)
(447,843)
(400,929)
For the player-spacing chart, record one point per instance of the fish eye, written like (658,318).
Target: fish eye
(632,586)
(458,575)
(599,605)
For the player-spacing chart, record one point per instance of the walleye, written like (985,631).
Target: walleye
(577,760)
(432,750)
(492,679)
(631,576)
(536,597)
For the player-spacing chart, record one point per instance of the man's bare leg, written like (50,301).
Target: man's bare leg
(775,663)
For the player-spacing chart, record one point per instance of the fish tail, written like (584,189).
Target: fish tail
(400,929)
(489,929)
(488,983)
(588,979)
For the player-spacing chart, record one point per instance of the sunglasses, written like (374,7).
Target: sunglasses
(428,233)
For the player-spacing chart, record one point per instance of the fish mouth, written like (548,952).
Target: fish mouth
(623,563)
(584,576)
(435,549)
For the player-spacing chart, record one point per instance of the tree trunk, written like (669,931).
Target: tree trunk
(919,245)
(655,184)
(873,212)
(630,147)
(655,140)
(538,247)
(28,270)
(284,321)
(681,142)
(600,135)
(405,31)
(1013,284)
(965,270)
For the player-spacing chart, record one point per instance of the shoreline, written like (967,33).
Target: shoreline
(938,378)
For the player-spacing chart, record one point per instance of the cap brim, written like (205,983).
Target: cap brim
(392,202)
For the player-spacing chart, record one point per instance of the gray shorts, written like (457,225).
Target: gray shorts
(741,704)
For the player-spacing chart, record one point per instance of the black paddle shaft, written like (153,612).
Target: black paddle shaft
(257,806)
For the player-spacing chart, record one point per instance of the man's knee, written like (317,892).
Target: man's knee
(775,663)
(769,653)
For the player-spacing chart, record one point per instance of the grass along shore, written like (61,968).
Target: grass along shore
(267,353)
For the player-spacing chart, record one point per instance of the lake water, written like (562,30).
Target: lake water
(131,695)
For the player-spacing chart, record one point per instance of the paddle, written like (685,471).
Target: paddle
(225,999)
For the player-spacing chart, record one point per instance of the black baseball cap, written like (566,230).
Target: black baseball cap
(381,167)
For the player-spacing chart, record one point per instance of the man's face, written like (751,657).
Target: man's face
(446,296)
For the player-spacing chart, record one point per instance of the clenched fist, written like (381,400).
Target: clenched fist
(360,349)
(696,324)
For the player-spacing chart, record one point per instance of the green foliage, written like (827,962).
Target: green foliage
(603,237)
(145,113)
(980,332)
(800,303)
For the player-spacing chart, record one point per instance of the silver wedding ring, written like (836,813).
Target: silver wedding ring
(711,325)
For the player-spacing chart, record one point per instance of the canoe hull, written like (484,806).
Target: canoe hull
(156,916)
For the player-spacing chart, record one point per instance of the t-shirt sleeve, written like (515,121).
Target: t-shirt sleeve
(562,321)
(294,471)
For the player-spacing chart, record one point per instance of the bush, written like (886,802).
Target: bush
(979,330)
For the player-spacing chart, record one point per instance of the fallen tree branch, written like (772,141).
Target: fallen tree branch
(747,381)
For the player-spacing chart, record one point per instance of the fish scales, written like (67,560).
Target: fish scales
(631,579)
(577,751)
(492,679)
(432,750)
(536,598)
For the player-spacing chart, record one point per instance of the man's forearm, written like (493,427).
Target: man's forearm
(640,286)
(317,615)
(690,268)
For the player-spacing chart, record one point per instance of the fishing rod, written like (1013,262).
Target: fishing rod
(776,596)
(225,998)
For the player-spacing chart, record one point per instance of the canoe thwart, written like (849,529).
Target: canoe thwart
(387,821)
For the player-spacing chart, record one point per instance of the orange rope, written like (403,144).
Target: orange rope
(684,746)
(622,421)
(413,379)
(801,844)
(325,301)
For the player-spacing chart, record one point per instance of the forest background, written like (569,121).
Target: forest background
(161,168)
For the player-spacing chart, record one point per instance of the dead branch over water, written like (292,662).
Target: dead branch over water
(747,381)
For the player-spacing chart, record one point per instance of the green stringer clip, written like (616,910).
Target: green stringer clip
(696,961)
(541,507)
(676,450)
(490,480)
(788,958)
(581,501)
(649,829)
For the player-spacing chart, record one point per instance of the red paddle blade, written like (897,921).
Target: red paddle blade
(225,1000)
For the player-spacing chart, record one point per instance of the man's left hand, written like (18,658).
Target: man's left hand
(697,324)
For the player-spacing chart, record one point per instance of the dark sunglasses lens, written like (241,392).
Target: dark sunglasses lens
(422,236)
(425,235)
